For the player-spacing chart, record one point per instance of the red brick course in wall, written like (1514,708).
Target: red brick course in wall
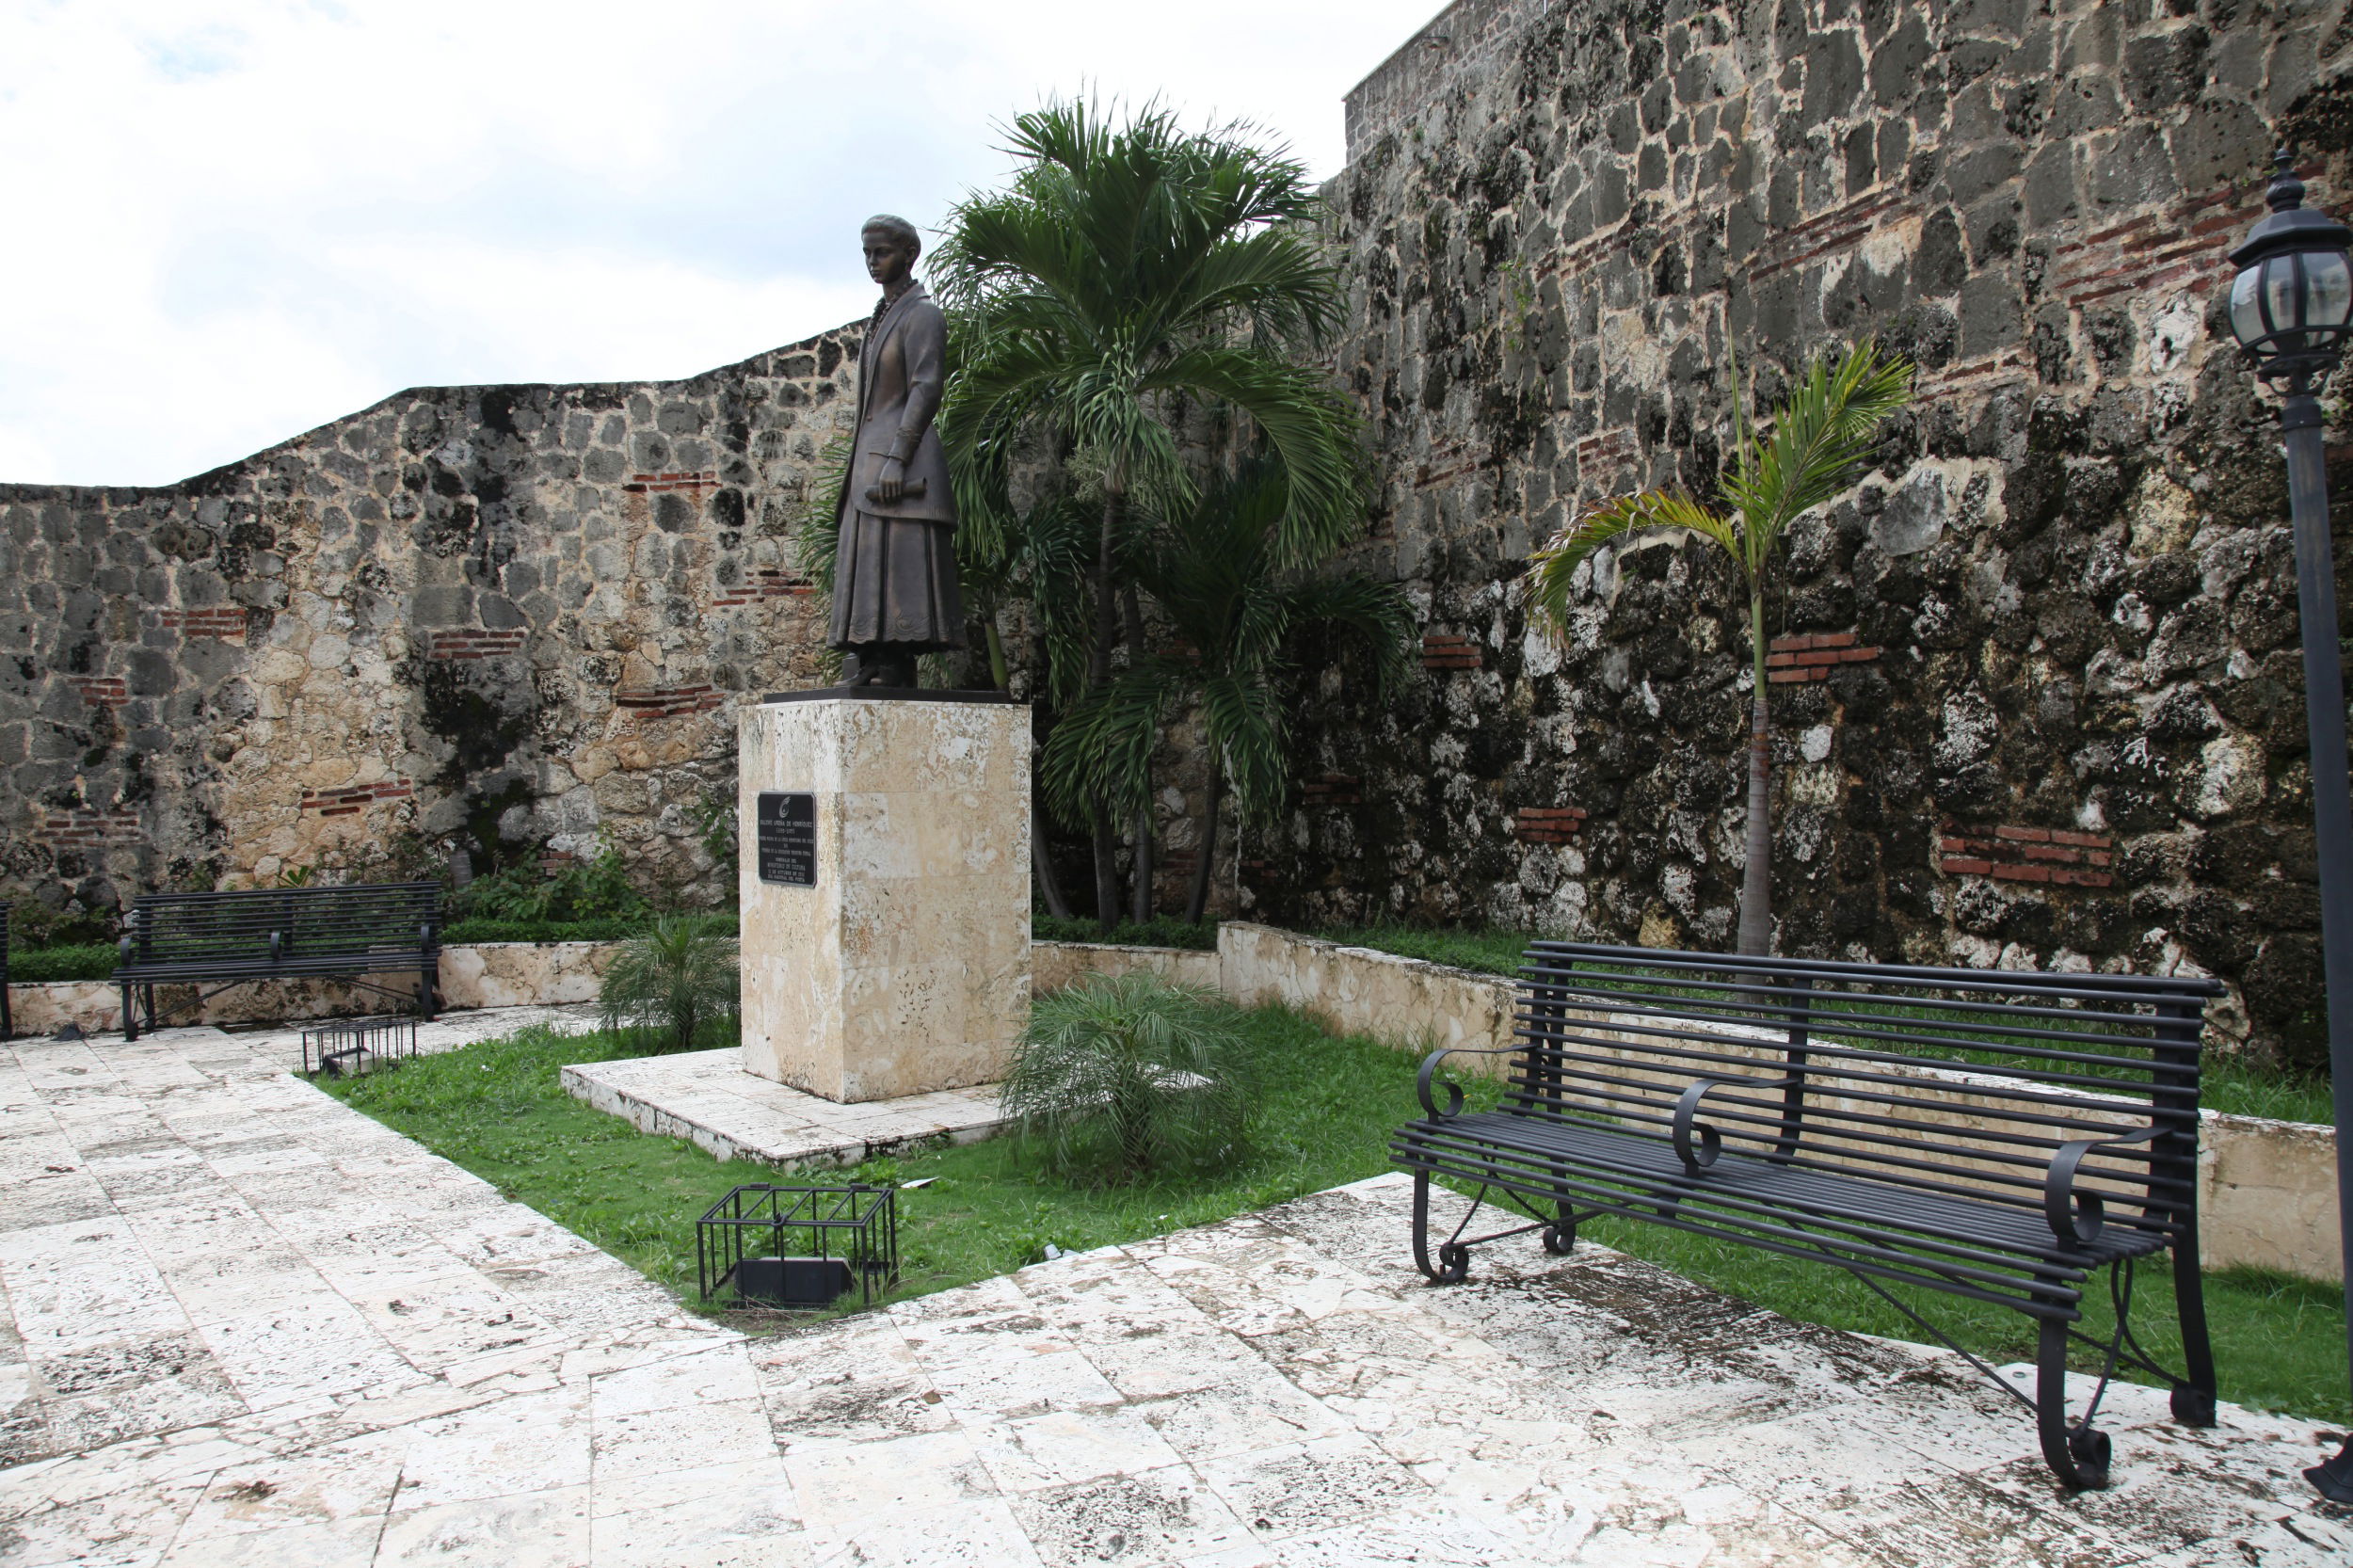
(1333,789)
(669,702)
(680,479)
(1812,655)
(84,828)
(100,691)
(473,643)
(1546,825)
(224,621)
(767,583)
(1442,650)
(2049,854)
(352,799)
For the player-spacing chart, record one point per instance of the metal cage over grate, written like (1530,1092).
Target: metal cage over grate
(353,1047)
(799,1247)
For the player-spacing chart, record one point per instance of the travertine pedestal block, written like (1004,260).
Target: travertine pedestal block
(902,966)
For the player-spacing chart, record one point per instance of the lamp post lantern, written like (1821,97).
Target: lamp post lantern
(2290,308)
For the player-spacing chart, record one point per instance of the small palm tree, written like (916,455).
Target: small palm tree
(677,977)
(1215,572)
(1128,272)
(1117,1079)
(1820,442)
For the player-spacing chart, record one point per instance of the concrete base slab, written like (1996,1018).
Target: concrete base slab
(706,1096)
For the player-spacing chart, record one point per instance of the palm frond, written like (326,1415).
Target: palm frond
(1553,564)
(1822,437)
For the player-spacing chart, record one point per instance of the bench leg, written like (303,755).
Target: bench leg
(1453,1257)
(425,977)
(2079,1456)
(130,1011)
(1560,1238)
(2193,1401)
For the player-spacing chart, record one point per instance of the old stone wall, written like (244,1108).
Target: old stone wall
(514,617)
(2035,680)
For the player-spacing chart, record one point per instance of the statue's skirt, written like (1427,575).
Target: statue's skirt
(894,580)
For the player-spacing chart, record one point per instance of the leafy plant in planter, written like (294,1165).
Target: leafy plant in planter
(675,979)
(1122,1080)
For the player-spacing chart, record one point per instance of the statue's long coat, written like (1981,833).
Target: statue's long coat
(895,572)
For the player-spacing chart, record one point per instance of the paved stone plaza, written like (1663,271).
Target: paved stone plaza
(245,1325)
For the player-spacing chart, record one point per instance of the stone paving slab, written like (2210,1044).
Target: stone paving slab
(706,1096)
(242,1324)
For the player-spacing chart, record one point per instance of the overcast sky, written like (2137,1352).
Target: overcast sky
(232,220)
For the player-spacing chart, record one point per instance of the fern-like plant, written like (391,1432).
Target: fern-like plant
(675,979)
(1122,1080)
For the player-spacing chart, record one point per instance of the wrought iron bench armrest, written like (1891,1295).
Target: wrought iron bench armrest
(1710,1141)
(2077,1218)
(1454,1090)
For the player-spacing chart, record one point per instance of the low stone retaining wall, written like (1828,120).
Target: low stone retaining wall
(2267,1191)
(503,974)
(483,974)
(1056,964)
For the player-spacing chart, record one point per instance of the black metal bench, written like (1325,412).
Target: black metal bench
(7,1019)
(1987,1134)
(279,934)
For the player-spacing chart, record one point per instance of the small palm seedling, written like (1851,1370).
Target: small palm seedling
(1821,441)
(1120,1080)
(676,978)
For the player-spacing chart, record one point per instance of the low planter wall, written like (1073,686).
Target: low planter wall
(482,974)
(2266,1188)
(1055,966)
(503,974)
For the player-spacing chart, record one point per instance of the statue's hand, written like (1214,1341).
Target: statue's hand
(892,483)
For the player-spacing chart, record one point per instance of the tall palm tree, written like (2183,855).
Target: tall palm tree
(1126,272)
(1820,442)
(1216,574)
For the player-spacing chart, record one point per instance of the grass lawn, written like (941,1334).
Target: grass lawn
(2231,1087)
(497,1110)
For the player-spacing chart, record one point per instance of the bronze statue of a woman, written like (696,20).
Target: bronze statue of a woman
(894,586)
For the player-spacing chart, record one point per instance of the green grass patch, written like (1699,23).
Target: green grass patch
(87,961)
(1331,1103)
(2227,1086)
(1162,931)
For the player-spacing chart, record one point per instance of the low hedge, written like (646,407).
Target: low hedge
(89,961)
(616,929)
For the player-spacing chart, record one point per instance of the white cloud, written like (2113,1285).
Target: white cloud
(237,219)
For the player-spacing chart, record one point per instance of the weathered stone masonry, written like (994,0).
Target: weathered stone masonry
(511,615)
(2037,687)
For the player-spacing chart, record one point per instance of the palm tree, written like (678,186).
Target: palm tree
(1216,574)
(1820,442)
(1126,273)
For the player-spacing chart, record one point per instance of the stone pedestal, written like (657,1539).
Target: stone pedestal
(902,966)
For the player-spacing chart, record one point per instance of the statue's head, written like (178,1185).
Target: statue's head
(892,245)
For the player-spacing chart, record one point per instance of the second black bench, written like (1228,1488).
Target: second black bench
(280,934)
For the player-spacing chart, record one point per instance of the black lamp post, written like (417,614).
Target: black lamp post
(2290,307)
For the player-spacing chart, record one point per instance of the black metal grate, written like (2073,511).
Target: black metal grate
(799,1247)
(353,1047)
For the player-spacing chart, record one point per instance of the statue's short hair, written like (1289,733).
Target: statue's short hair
(898,228)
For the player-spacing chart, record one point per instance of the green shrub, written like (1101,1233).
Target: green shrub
(1163,932)
(594,888)
(1117,1079)
(87,961)
(677,977)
